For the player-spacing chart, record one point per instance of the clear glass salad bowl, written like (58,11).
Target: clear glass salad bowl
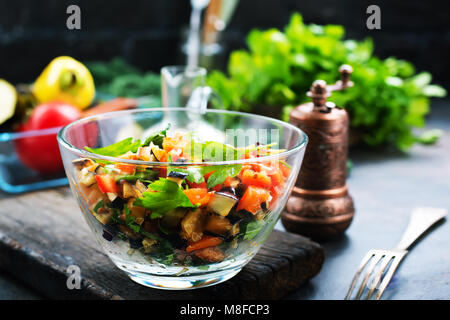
(178,199)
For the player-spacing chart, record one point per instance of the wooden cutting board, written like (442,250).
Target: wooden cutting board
(42,233)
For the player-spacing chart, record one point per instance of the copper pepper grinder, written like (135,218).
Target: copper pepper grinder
(320,206)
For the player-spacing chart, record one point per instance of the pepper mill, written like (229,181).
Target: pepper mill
(320,206)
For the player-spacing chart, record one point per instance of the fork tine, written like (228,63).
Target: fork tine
(373,263)
(397,259)
(378,276)
(363,263)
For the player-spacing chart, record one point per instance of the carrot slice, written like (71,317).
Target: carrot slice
(205,242)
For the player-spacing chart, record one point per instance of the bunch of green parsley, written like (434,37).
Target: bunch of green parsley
(388,100)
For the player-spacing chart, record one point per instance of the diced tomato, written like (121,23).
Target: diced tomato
(276,178)
(144,153)
(127,168)
(169,143)
(162,172)
(252,178)
(275,192)
(198,196)
(285,170)
(160,154)
(197,185)
(263,167)
(129,156)
(106,183)
(249,155)
(244,168)
(205,242)
(252,199)
(208,175)
(175,154)
(228,181)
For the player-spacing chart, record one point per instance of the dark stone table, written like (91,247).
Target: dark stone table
(385,186)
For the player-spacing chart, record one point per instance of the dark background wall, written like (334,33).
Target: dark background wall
(148,33)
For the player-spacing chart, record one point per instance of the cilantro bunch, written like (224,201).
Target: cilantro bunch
(388,100)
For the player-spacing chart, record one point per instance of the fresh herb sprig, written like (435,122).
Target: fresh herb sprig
(129,144)
(163,195)
(118,148)
(387,101)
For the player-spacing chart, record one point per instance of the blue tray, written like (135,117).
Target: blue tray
(15,177)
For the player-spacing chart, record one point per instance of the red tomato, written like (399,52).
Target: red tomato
(41,153)
(253,178)
(252,199)
(198,196)
(106,183)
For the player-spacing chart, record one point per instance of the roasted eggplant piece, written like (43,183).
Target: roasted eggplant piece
(234,229)
(148,244)
(238,216)
(218,224)
(229,190)
(222,203)
(116,203)
(87,178)
(177,177)
(176,241)
(109,231)
(192,225)
(127,190)
(158,153)
(103,215)
(240,190)
(112,196)
(172,218)
(81,163)
(135,243)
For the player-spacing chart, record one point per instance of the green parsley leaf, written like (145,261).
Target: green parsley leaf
(279,66)
(163,195)
(157,138)
(194,174)
(99,205)
(130,222)
(221,173)
(252,229)
(144,176)
(118,148)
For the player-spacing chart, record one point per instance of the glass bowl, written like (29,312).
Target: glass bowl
(136,206)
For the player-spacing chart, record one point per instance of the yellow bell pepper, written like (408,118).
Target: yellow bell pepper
(67,80)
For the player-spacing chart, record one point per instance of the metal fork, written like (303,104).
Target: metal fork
(421,220)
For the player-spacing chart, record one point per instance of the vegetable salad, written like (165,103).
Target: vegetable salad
(175,214)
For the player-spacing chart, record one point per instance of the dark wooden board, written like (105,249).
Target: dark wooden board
(42,233)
